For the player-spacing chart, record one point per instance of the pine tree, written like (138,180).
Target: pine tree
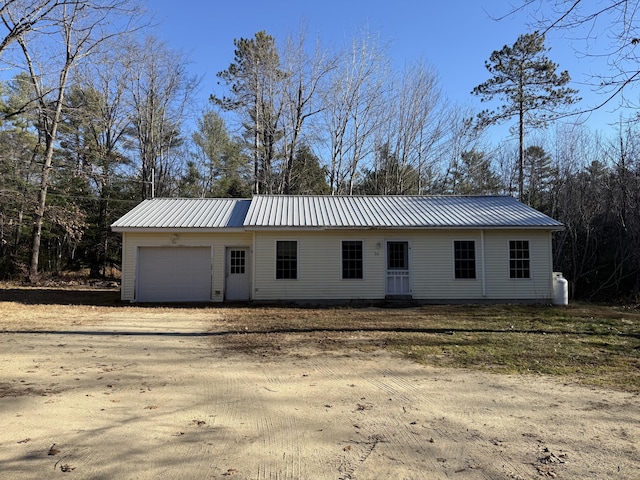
(255,79)
(526,79)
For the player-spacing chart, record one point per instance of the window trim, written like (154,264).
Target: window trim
(362,262)
(297,271)
(528,259)
(475,259)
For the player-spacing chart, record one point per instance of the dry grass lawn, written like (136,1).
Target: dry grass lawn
(91,387)
(584,343)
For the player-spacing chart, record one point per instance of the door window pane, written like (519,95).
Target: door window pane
(397,256)
(237,262)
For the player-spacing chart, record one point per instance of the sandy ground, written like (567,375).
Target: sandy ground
(157,396)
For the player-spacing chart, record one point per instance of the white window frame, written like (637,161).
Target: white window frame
(342,259)
(530,260)
(453,259)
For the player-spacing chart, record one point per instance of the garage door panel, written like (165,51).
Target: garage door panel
(174,274)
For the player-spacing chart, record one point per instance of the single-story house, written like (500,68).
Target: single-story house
(431,249)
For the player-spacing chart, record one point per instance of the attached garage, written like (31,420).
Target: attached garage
(174,274)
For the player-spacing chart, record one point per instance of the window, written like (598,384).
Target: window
(519,259)
(286,259)
(464,256)
(398,256)
(351,259)
(237,262)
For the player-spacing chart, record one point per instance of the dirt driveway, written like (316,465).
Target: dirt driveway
(148,394)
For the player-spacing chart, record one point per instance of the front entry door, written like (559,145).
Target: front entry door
(398,278)
(237,274)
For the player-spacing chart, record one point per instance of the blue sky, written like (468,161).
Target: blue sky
(454,37)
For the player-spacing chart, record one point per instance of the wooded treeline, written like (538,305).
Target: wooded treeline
(96,116)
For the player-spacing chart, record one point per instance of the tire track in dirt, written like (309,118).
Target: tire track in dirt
(445,444)
(201,427)
(313,415)
(278,427)
(281,447)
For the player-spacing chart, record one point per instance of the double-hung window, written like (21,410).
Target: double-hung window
(464,258)
(352,259)
(519,259)
(287,259)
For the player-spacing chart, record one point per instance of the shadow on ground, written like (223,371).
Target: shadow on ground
(46,296)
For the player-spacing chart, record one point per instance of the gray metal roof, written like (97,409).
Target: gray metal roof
(308,211)
(394,212)
(185,213)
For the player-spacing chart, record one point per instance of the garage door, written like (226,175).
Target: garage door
(174,274)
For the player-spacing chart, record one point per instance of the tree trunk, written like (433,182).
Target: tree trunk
(51,130)
(37,227)
(521,154)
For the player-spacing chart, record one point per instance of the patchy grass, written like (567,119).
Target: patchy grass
(589,344)
(585,343)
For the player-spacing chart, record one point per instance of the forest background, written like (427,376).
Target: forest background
(97,114)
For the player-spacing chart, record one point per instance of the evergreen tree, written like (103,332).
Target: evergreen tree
(389,176)
(255,79)
(220,167)
(539,173)
(18,172)
(526,79)
(93,136)
(307,176)
(476,175)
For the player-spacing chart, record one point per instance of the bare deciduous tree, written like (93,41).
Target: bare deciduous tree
(301,94)
(160,89)
(353,107)
(74,30)
(97,114)
(21,16)
(413,127)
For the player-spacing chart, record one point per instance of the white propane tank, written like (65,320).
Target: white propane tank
(560,289)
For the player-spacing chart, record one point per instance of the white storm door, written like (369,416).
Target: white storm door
(398,273)
(237,274)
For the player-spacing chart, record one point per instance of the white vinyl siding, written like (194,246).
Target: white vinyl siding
(499,285)
(432,266)
(319,267)
(320,263)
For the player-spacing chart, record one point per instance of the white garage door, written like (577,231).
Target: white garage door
(174,274)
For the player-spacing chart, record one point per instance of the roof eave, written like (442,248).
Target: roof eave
(400,227)
(177,229)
